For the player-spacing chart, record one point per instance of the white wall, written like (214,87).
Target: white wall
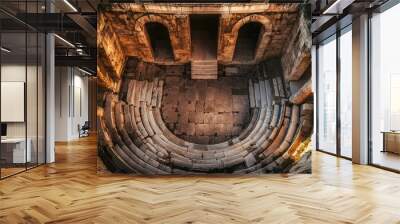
(61,114)
(16,73)
(81,104)
(12,73)
(71,102)
(33,127)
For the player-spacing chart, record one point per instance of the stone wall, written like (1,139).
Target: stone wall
(128,21)
(276,30)
(302,94)
(297,54)
(111,53)
(154,120)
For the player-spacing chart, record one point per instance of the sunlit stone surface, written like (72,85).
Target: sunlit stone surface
(194,89)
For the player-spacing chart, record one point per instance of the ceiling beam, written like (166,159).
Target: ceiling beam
(78,61)
(84,24)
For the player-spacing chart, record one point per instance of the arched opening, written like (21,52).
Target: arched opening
(160,41)
(247,41)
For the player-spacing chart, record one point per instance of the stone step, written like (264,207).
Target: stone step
(204,69)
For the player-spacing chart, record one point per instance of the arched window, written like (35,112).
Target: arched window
(160,41)
(247,41)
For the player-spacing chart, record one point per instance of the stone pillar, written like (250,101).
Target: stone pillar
(360,90)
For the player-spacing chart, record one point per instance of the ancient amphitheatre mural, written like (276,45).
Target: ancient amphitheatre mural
(204,88)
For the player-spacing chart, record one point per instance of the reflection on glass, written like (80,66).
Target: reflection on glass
(14,153)
(31,97)
(346,93)
(327,96)
(385,84)
(22,90)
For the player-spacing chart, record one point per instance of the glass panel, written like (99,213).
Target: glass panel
(23,84)
(13,87)
(385,89)
(346,93)
(31,98)
(327,96)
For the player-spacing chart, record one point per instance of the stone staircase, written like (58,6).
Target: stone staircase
(204,69)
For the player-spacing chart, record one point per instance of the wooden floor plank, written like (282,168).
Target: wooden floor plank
(70,191)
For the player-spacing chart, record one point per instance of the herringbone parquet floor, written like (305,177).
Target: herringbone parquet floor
(70,191)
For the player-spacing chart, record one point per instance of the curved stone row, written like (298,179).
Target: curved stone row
(134,134)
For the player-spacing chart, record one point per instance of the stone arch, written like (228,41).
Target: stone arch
(263,40)
(252,18)
(160,41)
(248,39)
(144,39)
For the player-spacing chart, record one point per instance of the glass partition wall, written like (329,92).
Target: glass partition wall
(334,93)
(345,92)
(326,73)
(334,90)
(22,78)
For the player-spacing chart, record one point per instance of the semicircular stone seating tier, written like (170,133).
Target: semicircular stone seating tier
(134,136)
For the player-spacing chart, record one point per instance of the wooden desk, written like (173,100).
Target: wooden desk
(13,150)
(391,141)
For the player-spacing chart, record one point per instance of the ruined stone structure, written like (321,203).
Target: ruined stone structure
(204,88)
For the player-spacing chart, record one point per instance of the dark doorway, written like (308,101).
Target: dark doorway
(160,41)
(204,33)
(247,41)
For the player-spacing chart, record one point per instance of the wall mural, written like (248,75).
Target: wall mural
(204,88)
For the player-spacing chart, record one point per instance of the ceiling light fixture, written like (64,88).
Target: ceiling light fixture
(5,50)
(79,51)
(64,40)
(337,7)
(84,71)
(70,5)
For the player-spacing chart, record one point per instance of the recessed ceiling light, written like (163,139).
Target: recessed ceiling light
(64,40)
(70,5)
(84,71)
(5,50)
(337,7)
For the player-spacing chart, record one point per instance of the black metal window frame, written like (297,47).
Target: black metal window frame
(339,32)
(387,5)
